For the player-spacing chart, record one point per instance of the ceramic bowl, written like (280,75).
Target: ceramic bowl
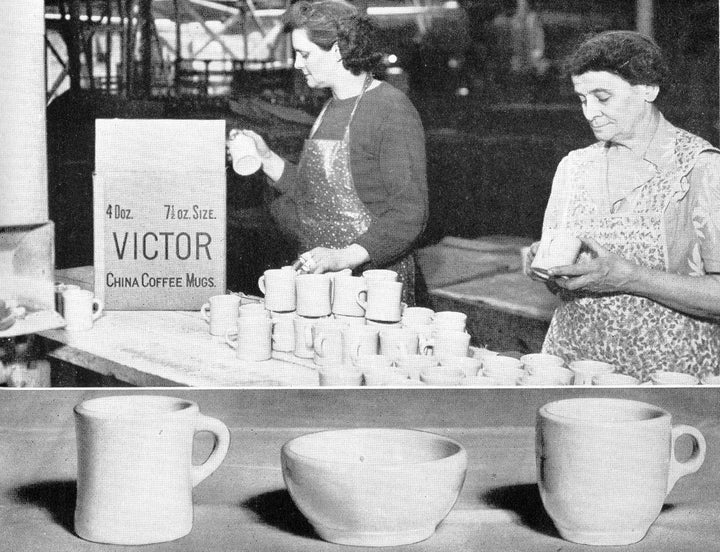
(376,486)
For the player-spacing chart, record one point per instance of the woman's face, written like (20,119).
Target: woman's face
(616,110)
(319,66)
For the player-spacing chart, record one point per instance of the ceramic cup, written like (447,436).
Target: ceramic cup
(673,378)
(449,343)
(253,310)
(358,340)
(505,370)
(221,313)
(605,466)
(479,381)
(412,365)
(383,300)
(710,379)
(81,308)
(278,287)
(469,366)
(245,156)
(314,292)
(398,342)
(327,342)
(345,292)
(135,472)
(557,248)
(383,377)
(535,362)
(61,288)
(380,324)
(586,370)
(373,362)
(417,316)
(615,380)
(283,333)
(350,320)
(450,320)
(253,339)
(380,274)
(442,376)
(303,336)
(339,377)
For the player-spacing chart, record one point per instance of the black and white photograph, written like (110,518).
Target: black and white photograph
(319,274)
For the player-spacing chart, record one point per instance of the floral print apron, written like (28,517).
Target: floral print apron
(330,211)
(636,334)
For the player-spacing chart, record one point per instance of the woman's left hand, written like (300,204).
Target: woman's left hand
(604,273)
(324,259)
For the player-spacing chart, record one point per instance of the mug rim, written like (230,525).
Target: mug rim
(110,403)
(549,412)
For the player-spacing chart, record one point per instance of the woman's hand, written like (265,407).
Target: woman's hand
(604,273)
(529,258)
(272,164)
(324,259)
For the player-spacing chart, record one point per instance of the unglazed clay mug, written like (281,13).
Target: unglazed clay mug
(278,287)
(80,309)
(135,471)
(314,292)
(383,300)
(605,466)
(221,313)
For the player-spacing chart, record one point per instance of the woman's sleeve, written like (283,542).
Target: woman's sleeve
(402,166)
(284,207)
(559,197)
(705,182)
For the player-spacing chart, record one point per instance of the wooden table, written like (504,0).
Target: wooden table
(166,348)
(244,504)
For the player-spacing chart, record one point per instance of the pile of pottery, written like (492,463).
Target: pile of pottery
(604,468)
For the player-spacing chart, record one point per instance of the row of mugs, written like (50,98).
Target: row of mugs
(604,468)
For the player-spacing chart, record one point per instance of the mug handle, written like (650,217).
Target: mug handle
(204,312)
(222,445)
(692,464)
(361,302)
(308,337)
(229,341)
(319,345)
(261,283)
(97,308)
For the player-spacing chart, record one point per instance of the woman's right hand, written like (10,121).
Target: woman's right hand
(260,144)
(272,164)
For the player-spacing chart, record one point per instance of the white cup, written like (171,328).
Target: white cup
(345,292)
(339,377)
(398,342)
(314,293)
(673,378)
(611,379)
(557,248)
(380,274)
(253,339)
(383,301)
(350,320)
(303,336)
(81,308)
(586,370)
(381,324)
(449,343)
(253,310)
(479,381)
(505,370)
(412,365)
(358,340)
(450,320)
(135,472)
(221,313)
(551,376)
(246,159)
(278,287)
(417,316)
(373,362)
(710,379)
(61,288)
(381,377)
(469,366)
(283,334)
(535,362)
(328,343)
(442,376)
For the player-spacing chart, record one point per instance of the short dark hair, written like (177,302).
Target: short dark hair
(331,21)
(628,54)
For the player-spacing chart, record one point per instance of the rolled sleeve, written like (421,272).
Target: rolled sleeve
(705,181)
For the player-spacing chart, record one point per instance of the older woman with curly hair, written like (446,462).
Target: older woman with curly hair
(645,202)
(358,196)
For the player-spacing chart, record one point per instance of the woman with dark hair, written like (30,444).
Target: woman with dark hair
(645,202)
(358,196)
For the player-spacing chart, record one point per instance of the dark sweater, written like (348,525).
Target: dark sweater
(387,159)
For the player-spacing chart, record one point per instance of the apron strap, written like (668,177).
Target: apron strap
(346,136)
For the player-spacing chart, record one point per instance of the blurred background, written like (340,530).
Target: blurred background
(485,76)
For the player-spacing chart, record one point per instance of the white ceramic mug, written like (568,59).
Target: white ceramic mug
(350,320)
(442,376)
(605,466)
(314,293)
(339,377)
(383,300)
(80,309)
(283,333)
(450,320)
(535,362)
(449,343)
(253,310)
(278,287)
(61,288)
(469,366)
(253,339)
(303,336)
(371,362)
(345,292)
(358,340)
(398,342)
(221,313)
(673,378)
(380,274)
(246,159)
(612,379)
(586,370)
(417,316)
(328,343)
(135,473)
(557,248)
(412,365)
(503,369)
